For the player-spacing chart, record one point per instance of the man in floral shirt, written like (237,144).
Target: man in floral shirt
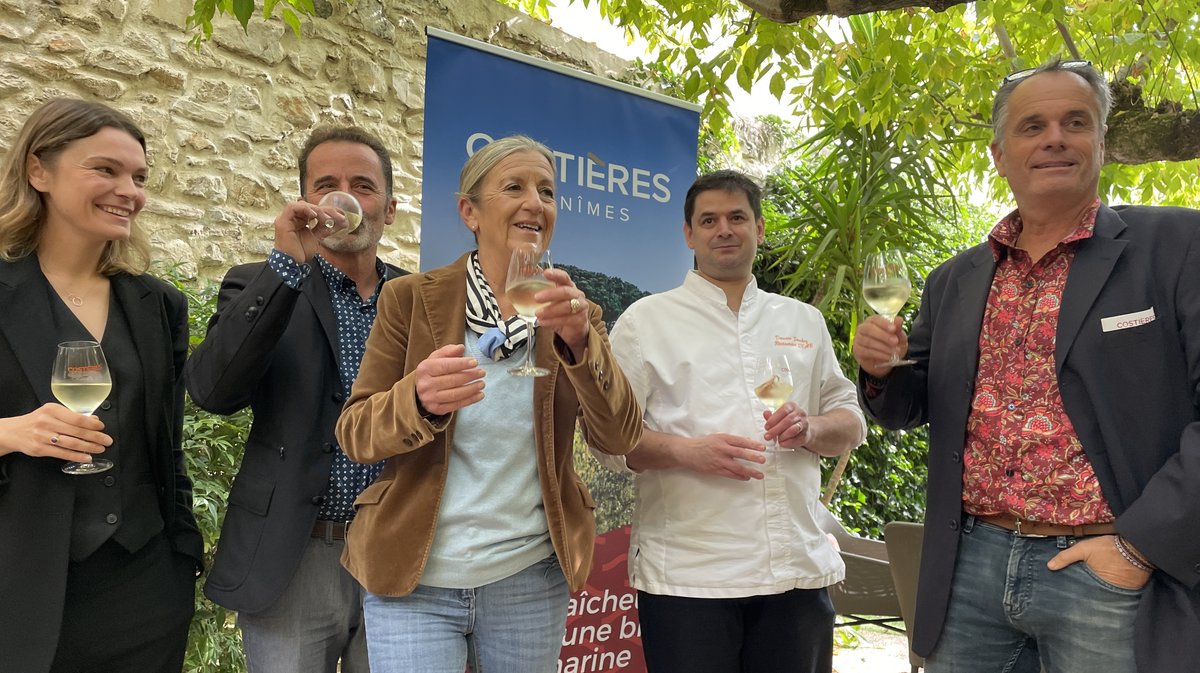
(1058,365)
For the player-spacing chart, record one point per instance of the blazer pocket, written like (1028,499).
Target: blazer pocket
(241,534)
(1132,337)
(585,494)
(372,494)
(252,494)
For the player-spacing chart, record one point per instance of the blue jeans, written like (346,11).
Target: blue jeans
(316,623)
(1008,613)
(514,625)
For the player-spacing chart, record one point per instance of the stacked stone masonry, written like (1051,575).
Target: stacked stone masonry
(224,123)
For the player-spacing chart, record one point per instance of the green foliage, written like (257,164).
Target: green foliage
(204,11)
(612,491)
(852,189)
(922,73)
(212,446)
(613,294)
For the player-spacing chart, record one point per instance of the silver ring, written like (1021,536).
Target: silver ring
(575,305)
(329,223)
(54,439)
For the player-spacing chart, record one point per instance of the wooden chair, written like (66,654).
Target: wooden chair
(903,542)
(867,595)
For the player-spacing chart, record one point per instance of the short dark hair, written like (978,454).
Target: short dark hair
(345,134)
(726,180)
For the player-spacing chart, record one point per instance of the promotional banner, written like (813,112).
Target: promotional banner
(624,159)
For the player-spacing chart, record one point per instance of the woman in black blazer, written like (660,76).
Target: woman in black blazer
(96,571)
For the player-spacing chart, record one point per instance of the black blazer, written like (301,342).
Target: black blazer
(36,498)
(273,349)
(1132,394)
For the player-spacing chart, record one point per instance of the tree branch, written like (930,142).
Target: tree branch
(1138,134)
(791,11)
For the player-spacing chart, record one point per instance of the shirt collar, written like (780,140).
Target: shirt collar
(703,288)
(1004,235)
(340,282)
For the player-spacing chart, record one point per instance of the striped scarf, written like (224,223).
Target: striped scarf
(497,338)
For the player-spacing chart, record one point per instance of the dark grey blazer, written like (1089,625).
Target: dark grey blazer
(1133,396)
(36,498)
(273,349)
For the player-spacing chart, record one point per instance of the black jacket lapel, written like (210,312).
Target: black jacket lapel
(25,321)
(1093,264)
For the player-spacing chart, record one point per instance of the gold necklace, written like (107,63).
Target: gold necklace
(73,298)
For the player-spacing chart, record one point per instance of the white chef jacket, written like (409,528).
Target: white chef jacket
(691,362)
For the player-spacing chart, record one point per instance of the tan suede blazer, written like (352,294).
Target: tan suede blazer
(389,543)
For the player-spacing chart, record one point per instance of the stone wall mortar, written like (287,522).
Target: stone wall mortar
(224,123)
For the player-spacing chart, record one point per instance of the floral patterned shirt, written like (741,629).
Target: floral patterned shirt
(1022,454)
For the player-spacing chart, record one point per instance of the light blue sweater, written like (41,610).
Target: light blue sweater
(492,523)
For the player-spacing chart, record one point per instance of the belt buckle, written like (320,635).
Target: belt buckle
(1017,524)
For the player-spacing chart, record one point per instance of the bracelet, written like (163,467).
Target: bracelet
(1131,557)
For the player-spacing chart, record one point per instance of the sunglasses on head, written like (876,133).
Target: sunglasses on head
(1022,74)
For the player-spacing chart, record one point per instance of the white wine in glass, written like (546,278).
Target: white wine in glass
(775,386)
(349,206)
(81,382)
(886,288)
(526,277)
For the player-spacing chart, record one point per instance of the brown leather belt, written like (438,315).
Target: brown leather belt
(330,530)
(1038,529)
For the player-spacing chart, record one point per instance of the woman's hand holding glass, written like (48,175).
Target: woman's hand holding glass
(77,436)
(565,312)
(447,380)
(534,285)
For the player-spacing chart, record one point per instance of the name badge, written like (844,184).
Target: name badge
(1119,322)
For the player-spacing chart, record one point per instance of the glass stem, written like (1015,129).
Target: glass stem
(529,345)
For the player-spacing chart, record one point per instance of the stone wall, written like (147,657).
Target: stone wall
(224,123)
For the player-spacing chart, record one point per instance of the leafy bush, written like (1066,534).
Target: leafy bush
(212,446)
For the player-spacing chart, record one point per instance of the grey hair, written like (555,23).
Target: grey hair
(1094,79)
(484,160)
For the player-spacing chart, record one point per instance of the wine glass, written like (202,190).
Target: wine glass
(774,376)
(526,278)
(81,381)
(886,288)
(348,205)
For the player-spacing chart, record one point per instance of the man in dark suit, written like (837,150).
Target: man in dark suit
(1058,367)
(287,340)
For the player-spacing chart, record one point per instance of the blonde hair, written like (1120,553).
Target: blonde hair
(45,135)
(484,160)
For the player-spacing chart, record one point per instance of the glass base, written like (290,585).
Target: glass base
(528,370)
(778,449)
(97,466)
(897,362)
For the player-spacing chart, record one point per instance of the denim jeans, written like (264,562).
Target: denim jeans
(316,623)
(1008,613)
(514,625)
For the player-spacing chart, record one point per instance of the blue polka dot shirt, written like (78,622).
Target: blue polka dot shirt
(354,317)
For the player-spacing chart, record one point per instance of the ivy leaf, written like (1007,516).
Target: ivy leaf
(243,10)
(293,21)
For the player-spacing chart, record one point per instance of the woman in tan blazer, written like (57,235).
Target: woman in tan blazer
(469,541)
